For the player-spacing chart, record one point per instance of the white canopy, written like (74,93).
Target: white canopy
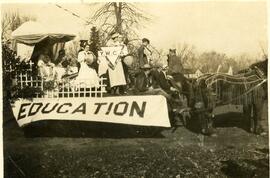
(31,33)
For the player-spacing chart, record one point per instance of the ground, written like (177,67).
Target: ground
(233,152)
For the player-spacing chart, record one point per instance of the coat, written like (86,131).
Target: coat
(141,82)
(142,56)
(159,80)
(174,64)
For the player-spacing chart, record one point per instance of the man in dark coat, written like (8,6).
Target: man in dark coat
(159,79)
(143,86)
(176,71)
(141,52)
(174,63)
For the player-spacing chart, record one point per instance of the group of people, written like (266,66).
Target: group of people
(50,69)
(153,79)
(158,80)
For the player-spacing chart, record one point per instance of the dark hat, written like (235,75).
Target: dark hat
(146,40)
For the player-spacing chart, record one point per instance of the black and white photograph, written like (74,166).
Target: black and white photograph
(126,89)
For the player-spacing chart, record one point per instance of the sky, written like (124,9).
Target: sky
(228,27)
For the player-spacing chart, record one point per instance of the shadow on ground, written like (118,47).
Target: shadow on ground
(89,129)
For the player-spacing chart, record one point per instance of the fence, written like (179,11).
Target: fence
(41,88)
(59,89)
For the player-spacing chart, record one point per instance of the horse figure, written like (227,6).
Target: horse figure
(248,88)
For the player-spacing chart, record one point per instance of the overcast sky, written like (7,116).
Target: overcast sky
(229,27)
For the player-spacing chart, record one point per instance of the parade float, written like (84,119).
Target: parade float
(63,97)
(67,97)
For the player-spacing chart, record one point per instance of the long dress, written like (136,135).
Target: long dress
(117,75)
(87,77)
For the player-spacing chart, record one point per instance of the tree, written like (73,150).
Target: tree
(94,40)
(210,61)
(11,21)
(186,54)
(119,17)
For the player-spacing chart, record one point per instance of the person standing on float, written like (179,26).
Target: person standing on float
(142,50)
(116,74)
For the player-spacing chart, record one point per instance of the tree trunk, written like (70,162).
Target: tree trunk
(118,14)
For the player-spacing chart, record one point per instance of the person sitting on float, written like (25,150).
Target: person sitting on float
(45,66)
(61,57)
(144,87)
(143,84)
(160,78)
(63,67)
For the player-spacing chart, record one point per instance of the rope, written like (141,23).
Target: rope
(70,12)
(229,77)
(238,83)
(212,75)
(245,93)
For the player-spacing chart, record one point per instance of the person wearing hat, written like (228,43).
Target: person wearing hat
(174,63)
(160,80)
(117,77)
(179,81)
(143,85)
(113,41)
(124,60)
(142,82)
(143,59)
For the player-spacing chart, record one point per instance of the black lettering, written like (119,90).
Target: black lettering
(50,110)
(109,109)
(60,107)
(121,113)
(31,113)
(98,107)
(135,107)
(107,53)
(81,108)
(22,110)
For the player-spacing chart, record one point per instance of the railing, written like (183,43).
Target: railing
(66,88)
(27,81)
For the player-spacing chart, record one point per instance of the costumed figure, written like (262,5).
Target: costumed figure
(87,76)
(45,67)
(113,70)
(178,80)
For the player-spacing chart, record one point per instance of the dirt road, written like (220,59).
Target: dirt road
(233,152)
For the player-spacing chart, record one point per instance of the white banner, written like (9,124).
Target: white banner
(135,110)
(108,57)
(111,53)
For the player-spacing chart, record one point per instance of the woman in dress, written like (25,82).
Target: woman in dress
(87,76)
